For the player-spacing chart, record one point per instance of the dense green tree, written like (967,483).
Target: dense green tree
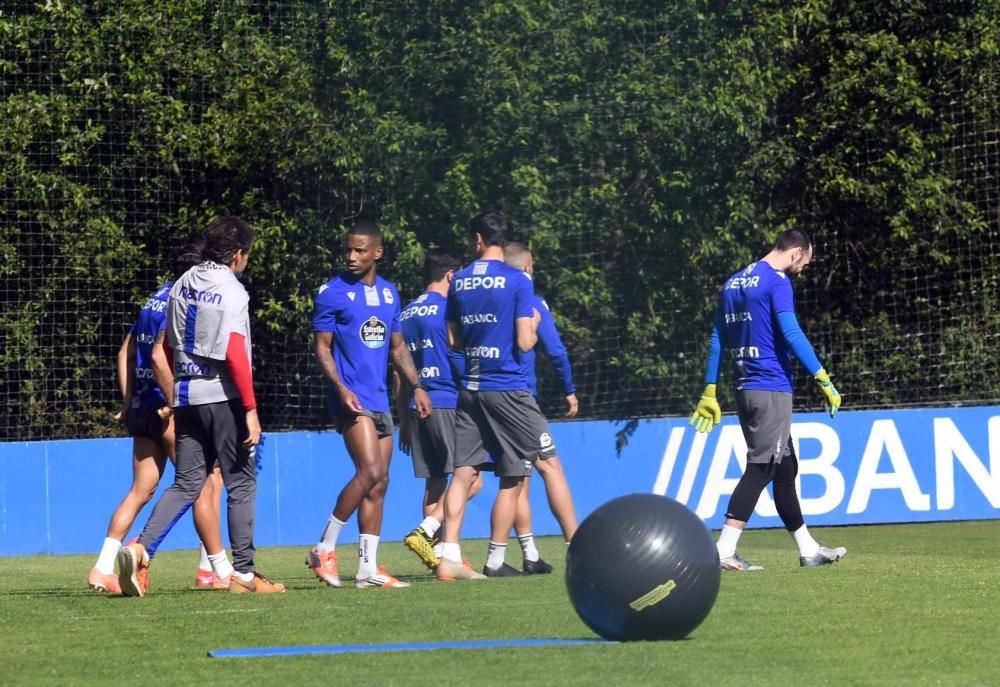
(644,151)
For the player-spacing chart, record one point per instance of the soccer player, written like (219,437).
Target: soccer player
(208,340)
(146,384)
(492,318)
(755,321)
(356,325)
(430,441)
(557,489)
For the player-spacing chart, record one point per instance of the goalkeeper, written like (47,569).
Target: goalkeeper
(755,321)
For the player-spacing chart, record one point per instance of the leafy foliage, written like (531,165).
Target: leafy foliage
(644,151)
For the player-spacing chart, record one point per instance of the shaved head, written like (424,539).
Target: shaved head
(516,255)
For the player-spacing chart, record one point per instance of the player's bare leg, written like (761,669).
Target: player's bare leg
(361,440)
(371,457)
(215,568)
(148,462)
(559,495)
(532,559)
(453,566)
(423,538)
(501,522)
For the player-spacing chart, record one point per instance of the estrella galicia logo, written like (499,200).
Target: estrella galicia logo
(373,332)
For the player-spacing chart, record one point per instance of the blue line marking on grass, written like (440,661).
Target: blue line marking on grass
(259,652)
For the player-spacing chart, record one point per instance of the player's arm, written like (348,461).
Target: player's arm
(323,350)
(403,362)
(803,350)
(453,330)
(707,412)
(125,363)
(401,392)
(238,363)
(163,373)
(454,336)
(551,343)
(527,332)
(783,307)
(527,315)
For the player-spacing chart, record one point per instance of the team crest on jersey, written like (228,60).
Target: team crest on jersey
(374,332)
(387,295)
(351,295)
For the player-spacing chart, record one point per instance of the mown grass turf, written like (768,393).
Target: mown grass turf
(910,605)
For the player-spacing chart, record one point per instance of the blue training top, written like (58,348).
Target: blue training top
(552,345)
(484,301)
(423,325)
(151,321)
(362,320)
(755,321)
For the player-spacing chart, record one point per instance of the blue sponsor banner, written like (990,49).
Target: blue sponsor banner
(862,467)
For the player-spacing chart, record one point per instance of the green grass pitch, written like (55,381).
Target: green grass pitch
(909,605)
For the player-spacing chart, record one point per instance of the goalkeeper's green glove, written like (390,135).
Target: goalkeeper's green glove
(829,390)
(707,414)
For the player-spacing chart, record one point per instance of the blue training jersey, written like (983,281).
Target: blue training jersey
(484,302)
(552,345)
(746,319)
(362,320)
(423,325)
(151,321)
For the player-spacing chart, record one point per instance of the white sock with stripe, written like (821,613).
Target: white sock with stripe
(496,555)
(367,553)
(328,540)
(430,526)
(528,546)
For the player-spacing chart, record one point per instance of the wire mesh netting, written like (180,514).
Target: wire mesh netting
(644,153)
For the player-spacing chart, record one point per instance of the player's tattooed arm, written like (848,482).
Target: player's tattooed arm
(403,362)
(401,392)
(324,356)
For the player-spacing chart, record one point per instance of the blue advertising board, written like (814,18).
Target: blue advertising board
(864,467)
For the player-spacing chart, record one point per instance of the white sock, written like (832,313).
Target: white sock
(728,539)
(495,556)
(807,545)
(528,546)
(106,559)
(367,552)
(439,550)
(220,565)
(246,577)
(328,540)
(430,526)
(203,562)
(451,552)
